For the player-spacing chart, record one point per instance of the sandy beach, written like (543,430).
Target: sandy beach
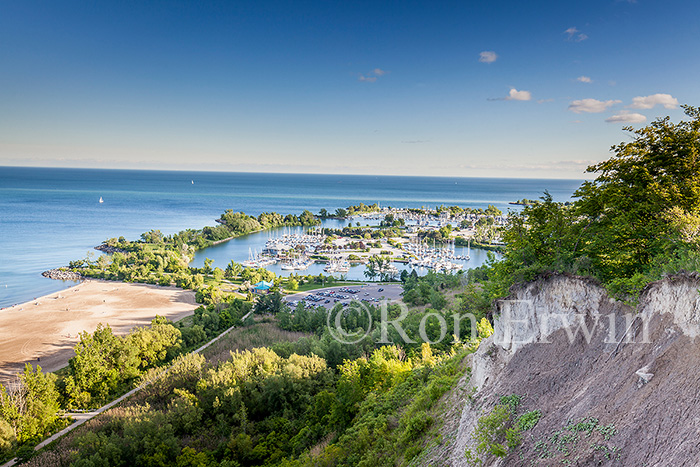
(44,331)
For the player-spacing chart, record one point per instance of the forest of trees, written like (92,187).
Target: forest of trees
(264,406)
(259,408)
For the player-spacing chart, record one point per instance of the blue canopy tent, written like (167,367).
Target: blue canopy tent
(262,287)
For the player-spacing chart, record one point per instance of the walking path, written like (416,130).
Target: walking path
(82,417)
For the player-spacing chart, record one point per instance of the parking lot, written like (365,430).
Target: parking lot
(329,296)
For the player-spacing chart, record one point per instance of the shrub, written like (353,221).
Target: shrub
(496,434)
(528,420)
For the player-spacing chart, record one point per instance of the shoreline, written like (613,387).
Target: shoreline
(28,302)
(43,331)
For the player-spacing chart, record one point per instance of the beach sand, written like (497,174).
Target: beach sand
(47,328)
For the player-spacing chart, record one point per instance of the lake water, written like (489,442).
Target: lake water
(50,216)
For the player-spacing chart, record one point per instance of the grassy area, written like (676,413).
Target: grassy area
(488,246)
(258,335)
(186,321)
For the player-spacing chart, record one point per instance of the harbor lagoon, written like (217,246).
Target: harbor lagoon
(240,249)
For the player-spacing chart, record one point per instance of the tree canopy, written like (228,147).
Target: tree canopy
(637,220)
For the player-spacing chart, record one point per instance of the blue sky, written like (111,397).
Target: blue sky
(497,88)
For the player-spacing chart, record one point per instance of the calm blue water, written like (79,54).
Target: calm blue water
(51,216)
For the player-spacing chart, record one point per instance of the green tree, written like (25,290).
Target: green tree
(233,270)
(306,218)
(152,236)
(270,303)
(239,223)
(7,433)
(251,275)
(206,269)
(625,209)
(492,210)
(94,370)
(30,409)
(218,274)
(156,343)
(371,270)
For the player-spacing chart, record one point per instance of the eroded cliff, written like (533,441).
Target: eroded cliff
(629,374)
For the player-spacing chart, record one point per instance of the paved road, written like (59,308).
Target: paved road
(82,417)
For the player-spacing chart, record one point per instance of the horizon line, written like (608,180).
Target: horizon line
(583,178)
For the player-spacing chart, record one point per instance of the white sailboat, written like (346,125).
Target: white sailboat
(101,200)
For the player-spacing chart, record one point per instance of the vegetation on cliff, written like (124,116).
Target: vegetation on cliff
(639,219)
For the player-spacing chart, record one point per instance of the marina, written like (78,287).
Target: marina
(287,251)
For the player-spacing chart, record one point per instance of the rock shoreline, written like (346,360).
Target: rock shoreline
(62,274)
(109,249)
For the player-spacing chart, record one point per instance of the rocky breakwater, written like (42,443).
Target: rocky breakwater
(109,249)
(62,274)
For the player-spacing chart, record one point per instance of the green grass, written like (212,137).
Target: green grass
(258,335)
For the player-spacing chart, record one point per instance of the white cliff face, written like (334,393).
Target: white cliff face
(538,310)
(678,296)
(532,314)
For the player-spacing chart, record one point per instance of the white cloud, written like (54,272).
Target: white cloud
(488,56)
(515,95)
(625,116)
(584,79)
(573,34)
(648,102)
(591,105)
(372,76)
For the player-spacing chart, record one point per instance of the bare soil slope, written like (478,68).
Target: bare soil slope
(629,394)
